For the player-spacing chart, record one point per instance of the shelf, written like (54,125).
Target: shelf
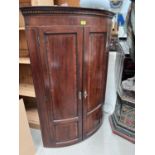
(26,90)
(23,53)
(24,60)
(21,28)
(33,118)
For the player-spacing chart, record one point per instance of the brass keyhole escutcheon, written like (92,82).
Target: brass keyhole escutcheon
(83,22)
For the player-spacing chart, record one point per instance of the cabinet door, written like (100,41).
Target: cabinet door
(60,63)
(94,77)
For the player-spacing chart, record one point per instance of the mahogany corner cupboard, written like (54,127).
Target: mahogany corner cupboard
(68,50)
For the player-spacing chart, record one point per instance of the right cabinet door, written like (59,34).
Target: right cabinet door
(94,78)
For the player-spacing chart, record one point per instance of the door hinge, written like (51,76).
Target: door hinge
(38,40)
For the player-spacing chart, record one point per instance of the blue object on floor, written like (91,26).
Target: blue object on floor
(120,19)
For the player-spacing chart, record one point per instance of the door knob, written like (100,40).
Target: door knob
(85,94)
(80,95)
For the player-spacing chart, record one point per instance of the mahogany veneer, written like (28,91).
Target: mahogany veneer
(68,54)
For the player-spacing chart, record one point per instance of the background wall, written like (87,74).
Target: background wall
(105,4)
(110,96)
(102,4)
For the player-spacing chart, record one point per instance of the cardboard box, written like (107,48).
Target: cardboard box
(26,146)
(42,2)
(75,3)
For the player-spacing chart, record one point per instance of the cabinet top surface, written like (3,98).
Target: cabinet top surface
(29,11)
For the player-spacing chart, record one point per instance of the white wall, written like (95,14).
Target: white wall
(110,96)
(102,4)
(124,9)
(105,4)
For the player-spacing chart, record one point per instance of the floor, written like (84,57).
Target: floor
(103,142)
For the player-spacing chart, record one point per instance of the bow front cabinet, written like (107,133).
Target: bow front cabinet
(68,54)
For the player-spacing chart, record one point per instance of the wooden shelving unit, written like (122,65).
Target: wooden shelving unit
(26,87)
(33,118)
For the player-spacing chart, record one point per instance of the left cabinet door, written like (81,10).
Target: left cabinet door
(56,58)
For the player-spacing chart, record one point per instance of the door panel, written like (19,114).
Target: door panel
(61,58)
(61,55)
(94,77)
(93,120)
(63,133)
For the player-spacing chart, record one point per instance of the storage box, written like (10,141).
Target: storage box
(42,2)
(26,146)
(75,3)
